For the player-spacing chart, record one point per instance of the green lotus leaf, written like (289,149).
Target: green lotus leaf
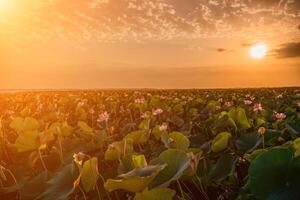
(17,124)
(220,142)
(248,142)
(260,122)
(176,120)
(195,156)
(20,124)
(180,141)
(61,129)
(61,186)
(275,174)
(240,117)
(145,124)
(138,137)
(126,164)
(135,180)
(139,161)
(27,141)
(35,186)
(30,124)
(157,133)
(254,154)
(89,174)
(296,145)
(156,194)
(177,162)
(223,168)
(85,128)
(116,150)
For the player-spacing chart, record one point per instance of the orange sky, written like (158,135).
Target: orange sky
(138,43)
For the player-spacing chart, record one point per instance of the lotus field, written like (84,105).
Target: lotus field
(150,144)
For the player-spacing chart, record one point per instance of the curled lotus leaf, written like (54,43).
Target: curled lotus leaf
(220,142)
(20,124)
(240,117)
(139,161)
(27,141)
(60,129)
(180,141)
(177,162)
(85,128)
(156,132)
(135,180)
(138,137)
(89,174)
(117,150)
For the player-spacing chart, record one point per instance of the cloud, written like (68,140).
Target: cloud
(221,49)
(143,20)
(288,50)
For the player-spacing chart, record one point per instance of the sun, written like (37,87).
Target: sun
(5,5)
(258,51)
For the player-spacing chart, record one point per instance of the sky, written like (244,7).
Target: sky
(66,44)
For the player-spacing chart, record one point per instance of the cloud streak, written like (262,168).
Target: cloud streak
(288,50)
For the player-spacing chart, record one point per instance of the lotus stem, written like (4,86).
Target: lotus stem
(180,189)
(98,192)
(42,161)
(82,192)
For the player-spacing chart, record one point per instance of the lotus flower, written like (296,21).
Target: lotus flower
(140,100)
(157,111)
(103,117)
(257,107)
(228,104)
(163,127)
(280,116)
(247,102)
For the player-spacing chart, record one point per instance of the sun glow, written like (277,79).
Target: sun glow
(5,5)
(258,51)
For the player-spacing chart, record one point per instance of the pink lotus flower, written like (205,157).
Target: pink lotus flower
(247,102)
(103,117)
(162,97)
(280,116)
(158,111)
(228,104)
(257,107)
(247,95)
(298,104)
(218,107)
(280,96)
(298,95)
(163,127)
(140,100)
(252,98)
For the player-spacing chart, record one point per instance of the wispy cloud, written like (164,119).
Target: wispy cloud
(288,50)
